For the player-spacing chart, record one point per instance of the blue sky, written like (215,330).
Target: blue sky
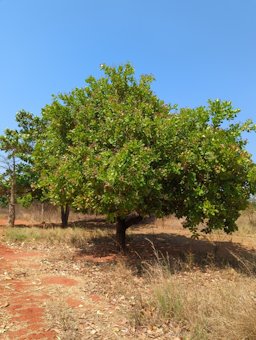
(196,49)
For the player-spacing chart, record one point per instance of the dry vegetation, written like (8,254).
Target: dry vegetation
(167,287)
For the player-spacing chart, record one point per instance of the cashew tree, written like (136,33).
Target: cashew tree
(115,148)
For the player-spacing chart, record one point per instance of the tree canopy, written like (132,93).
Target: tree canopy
(113,147)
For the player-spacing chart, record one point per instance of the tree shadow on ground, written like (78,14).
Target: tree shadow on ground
(87,223)
(176,251)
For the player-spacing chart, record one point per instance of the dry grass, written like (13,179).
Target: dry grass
(247,223)
(63,320)
(216,304)
(77,237)
(41,212)
(4,318)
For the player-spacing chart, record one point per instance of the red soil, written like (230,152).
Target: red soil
(23,300)
(74,302)
(59,280)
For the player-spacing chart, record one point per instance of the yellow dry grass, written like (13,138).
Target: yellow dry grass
(216,304)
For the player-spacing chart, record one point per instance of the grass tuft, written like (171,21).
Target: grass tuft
(63,319)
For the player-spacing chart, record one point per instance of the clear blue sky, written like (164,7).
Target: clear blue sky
(196,49)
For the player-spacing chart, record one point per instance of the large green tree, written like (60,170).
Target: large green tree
(115,148)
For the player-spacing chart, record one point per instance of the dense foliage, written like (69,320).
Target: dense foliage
(114,147)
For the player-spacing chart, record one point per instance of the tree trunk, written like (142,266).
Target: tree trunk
(124,223)
(12,198)
(42,212)
(64,215)
(120,234)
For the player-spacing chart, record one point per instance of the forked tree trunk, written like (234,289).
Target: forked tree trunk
(122,224)
(12,198)
(64,215)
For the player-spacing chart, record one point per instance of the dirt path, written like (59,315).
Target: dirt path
(47,295)
(21,299)
(26,291)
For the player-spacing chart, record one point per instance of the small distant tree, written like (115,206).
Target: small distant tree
(4,181)
(17,170)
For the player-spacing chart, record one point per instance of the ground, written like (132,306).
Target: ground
(36,285)
(64,292)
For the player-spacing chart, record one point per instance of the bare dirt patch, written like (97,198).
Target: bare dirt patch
(48,294)
(59,280)
(22,297)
